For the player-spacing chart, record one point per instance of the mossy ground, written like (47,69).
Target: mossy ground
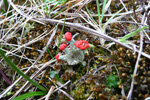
(102,61)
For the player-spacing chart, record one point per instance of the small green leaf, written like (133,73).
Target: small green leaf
(9,92)
(28,95)
(91,45)
(52,74)
(98,10)
(58,79)
(125,42)
(112,17)
(112,81)
(58,12)
(6,4)
(52,8)
(120,81)
(90,14)
(61,36)
(103,10)
(55,3)
(132,34)
(49,52)
(1,10)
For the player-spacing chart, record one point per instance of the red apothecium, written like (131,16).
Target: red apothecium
(57,56)
(82,44)
(62,46)
(68,36)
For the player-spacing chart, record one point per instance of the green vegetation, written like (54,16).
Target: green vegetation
(112,81)
(54,74)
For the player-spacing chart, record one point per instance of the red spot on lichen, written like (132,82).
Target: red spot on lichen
(82,44)
(68,36)
(62,46)
(57,56)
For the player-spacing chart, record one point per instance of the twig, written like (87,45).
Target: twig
(4,76)
(88,65)
(66,94)
(91,31)
(27,69)
(137,62)
(44,66)
(50,92)
(136,67)
(33,75)
(20,12)
(56,89)
(90,96)
(105,15)
(84,3)
(30,42)
(61,86)
(139,55)
(134,6)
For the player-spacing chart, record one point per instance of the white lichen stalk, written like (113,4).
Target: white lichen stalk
(73,55)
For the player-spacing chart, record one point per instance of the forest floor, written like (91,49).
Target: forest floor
(115,65)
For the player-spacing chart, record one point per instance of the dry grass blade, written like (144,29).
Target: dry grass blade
(137,63)
(45,65)
(66,94)
(91,31)
(112,68)
(50,92)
